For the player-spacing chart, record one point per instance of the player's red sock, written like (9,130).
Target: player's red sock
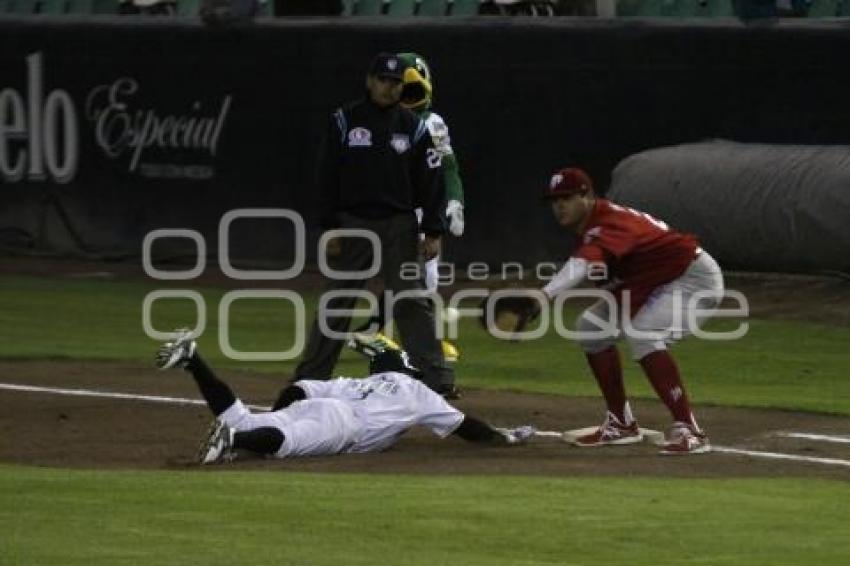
(609,375)
(663,374)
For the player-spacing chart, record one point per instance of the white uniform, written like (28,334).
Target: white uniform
(351,415)
(664,317)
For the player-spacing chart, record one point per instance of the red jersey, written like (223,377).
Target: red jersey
(640,252)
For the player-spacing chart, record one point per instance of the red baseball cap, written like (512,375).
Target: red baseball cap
(567,182)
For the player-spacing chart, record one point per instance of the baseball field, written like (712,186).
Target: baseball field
(97,453)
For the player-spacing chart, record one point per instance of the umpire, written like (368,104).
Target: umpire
(377,165)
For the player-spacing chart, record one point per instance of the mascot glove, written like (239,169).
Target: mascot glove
(454,212)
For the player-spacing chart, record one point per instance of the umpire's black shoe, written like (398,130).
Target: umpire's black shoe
(449,392)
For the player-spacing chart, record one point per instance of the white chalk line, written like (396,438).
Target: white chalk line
(656,437)
(112,395)
(819,437)
(186,401)
(554,434)
(781,456)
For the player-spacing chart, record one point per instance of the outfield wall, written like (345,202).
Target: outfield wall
(112,127)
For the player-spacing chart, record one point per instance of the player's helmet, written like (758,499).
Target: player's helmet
(418,82)
(567,182)
(393,360)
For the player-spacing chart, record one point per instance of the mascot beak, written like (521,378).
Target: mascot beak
(417,89)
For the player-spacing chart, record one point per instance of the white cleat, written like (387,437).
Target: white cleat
(177,352)
(217,447)
(611,433)
(683,439)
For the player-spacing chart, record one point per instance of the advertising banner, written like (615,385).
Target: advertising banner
(112,128)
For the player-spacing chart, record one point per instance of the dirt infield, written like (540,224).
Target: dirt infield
(87,432)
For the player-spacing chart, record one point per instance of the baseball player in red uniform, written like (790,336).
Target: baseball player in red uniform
(653,273)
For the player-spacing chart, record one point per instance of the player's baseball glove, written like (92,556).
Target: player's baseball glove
(511,313)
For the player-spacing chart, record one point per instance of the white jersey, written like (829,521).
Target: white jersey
(351,415)
(388,405)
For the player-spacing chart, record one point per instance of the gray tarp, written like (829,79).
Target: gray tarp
(754,207)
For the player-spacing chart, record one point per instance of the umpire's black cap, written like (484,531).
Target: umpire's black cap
(387,65)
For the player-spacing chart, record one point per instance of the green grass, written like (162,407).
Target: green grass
(117,518)
(782,364)
(79,517)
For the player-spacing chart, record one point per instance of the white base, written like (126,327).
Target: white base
(569,436)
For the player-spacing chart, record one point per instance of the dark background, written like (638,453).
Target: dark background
(522,97)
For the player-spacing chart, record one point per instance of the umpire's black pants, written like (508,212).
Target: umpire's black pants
(414,317)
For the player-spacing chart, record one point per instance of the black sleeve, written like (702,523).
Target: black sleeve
(476,430)
(290,394)
(327,171)
(428,187)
